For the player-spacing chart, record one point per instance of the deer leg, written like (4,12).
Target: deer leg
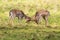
(18,16)
(46,20)
(37,19)
(11,20)
(12,16)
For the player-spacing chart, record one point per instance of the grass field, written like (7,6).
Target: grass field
(30,31)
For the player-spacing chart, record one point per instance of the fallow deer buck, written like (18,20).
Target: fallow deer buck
(42,13)
(19,14)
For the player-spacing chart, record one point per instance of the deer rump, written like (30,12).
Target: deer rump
(16,13)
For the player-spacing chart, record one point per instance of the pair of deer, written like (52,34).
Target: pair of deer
(20,15)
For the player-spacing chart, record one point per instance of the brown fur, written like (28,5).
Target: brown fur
(42,13)
(19,14)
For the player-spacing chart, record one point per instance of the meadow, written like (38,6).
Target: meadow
(30,31)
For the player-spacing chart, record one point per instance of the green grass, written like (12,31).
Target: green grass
(17,33)
(30,31)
